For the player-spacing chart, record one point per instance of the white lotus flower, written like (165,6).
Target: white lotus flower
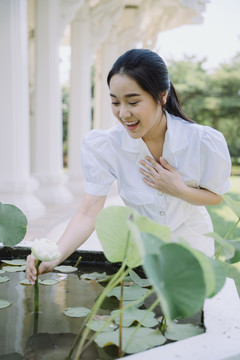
(45,249)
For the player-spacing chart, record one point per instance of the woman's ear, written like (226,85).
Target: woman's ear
(163,97)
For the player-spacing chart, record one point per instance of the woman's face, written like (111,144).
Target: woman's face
(135,108)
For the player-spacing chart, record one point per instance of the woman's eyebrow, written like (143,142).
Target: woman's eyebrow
(127,96)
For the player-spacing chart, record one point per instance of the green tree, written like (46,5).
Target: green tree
(211,99)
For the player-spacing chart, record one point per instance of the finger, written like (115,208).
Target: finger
(165,164)
(149,167)
(147,174)
(154,163)
(149,183)
(31,272)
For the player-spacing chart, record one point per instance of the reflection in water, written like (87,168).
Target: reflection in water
(49,333)
(53,347)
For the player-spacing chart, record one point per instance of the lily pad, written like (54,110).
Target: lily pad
(132,314)
(48,282)
(182,331)
(14,268)
(25,282)
(2,271)
(66,268)
(144,339)
(138,280)
(76,312)
(13,224)
(14,262)
(4,304)
(95,276)
(99,323)
(133,292)
(4,279)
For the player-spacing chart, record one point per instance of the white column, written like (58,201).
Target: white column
(80,95)
(47,127)
(106,56)
(16,185)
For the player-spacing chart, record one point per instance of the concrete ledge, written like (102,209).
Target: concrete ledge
(221,341)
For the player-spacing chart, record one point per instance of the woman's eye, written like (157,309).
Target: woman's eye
(115,103)
(134,103)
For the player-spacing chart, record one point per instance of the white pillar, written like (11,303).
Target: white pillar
(47,127)
(80,95)
(16,186)
(106,56)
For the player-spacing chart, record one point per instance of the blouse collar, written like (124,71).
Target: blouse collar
(176,137)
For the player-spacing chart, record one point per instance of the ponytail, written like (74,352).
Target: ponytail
(173,105)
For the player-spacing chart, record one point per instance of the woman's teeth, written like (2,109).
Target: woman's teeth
(131,123)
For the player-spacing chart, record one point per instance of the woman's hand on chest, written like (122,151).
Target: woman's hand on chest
(162,176)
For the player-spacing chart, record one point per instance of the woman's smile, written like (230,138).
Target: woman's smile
(135,108)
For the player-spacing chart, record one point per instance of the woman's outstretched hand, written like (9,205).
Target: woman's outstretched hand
(162,176)
(31,271)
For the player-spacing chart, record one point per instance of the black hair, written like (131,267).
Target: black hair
(149,70)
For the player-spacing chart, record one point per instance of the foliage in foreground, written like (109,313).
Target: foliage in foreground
(180,276)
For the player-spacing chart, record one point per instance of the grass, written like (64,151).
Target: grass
(223,219)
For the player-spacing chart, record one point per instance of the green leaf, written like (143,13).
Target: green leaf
(4,304)
(48,282)
(138,280)
(178,280)
(76,312)
(14,268)
(236,245)
(95,276)
(4,279)
(182,331)
(133,314)
(220,275)
(14,262)
(2,271)
(133,292)
(127,302)
(233,204)
(66,268)
(113,232)
(144,339)
(228,249)
(99,321)
(207,268)
(13,225)
(151,243)
(146,225)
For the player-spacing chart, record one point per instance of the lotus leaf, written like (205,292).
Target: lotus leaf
(144,339)
(181,288)
(133,314)
(76,312)
(13,224)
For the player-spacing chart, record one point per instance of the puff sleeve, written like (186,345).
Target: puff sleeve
(215,162)
(96,160)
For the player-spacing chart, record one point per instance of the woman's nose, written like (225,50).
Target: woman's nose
(124,113)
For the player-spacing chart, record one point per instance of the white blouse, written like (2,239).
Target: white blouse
(199,153)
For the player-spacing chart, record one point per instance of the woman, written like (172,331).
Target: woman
(167,167)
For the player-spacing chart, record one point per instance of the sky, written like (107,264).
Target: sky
(217,38)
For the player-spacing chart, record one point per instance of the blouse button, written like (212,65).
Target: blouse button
(162,213)
(160,193)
